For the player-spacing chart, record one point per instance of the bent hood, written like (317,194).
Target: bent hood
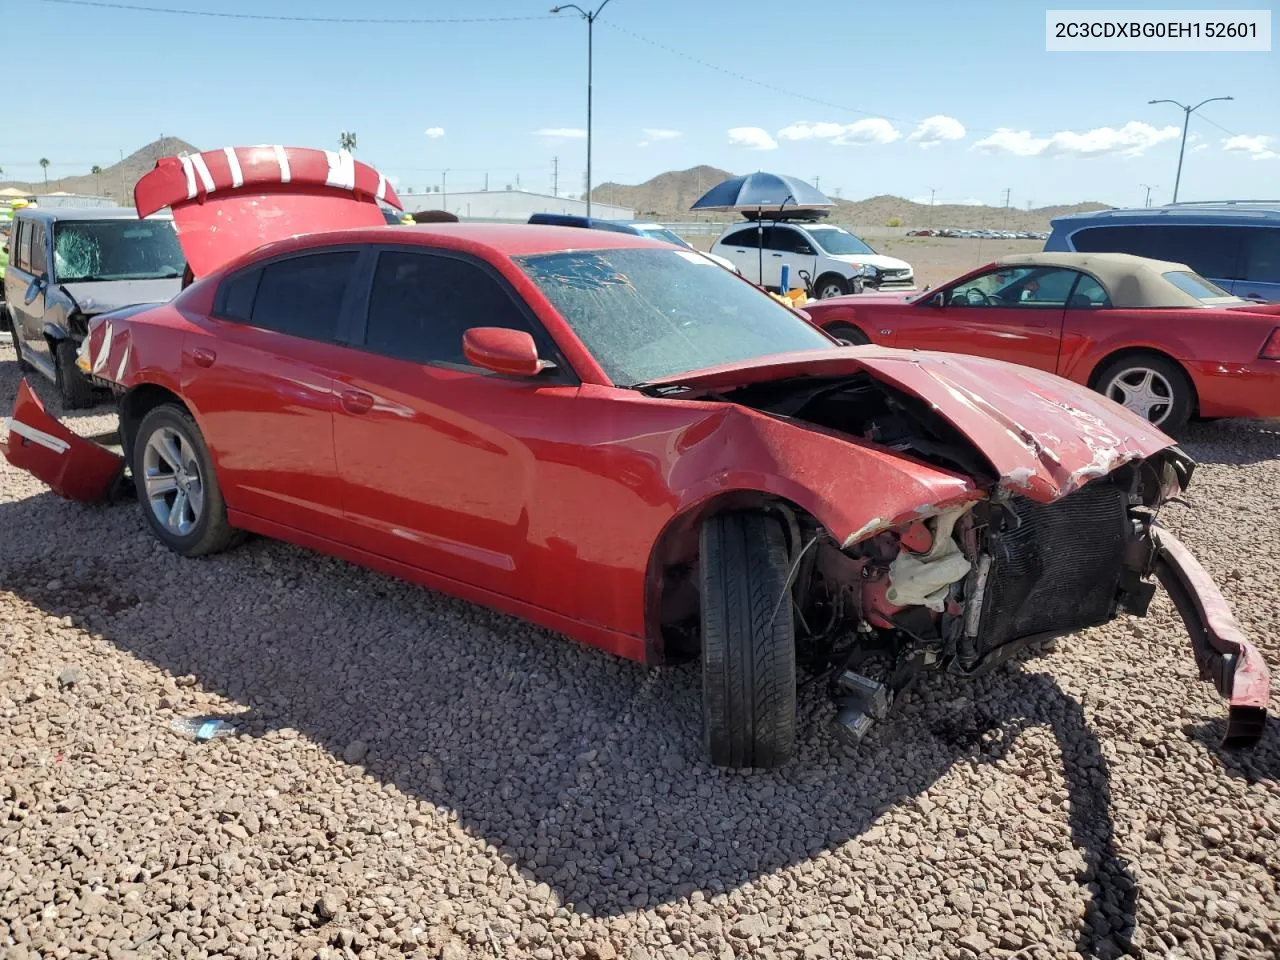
(878,260)
(230,201)
(1045,436)
(102,296)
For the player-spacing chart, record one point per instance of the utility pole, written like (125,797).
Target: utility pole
(591,22)
(555,176)
(486,181)
(817,183)
(1004,222)
(1149,187)
(1186,120)
(933,192)
(444,188)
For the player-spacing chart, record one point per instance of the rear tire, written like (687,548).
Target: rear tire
(201,525)
(74,388)
(847,331)
(748,642)
(1139,381)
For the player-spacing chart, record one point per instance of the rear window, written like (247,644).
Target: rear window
(1198,287)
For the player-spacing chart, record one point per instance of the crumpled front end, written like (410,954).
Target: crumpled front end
(967,589)
(73,467)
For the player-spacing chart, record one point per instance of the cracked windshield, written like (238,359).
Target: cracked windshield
(116,250)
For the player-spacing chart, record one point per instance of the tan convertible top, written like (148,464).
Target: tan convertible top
(1131,282)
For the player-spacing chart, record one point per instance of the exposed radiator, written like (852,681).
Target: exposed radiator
(1059,571)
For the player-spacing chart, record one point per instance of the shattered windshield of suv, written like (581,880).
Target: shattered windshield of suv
(650,314)
(88,250)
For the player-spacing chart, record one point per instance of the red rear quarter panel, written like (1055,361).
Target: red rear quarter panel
(1218,349)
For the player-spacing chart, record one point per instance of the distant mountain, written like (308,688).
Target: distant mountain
(115,181)
(668,196)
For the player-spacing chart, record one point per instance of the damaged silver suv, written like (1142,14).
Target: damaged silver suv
(67,265)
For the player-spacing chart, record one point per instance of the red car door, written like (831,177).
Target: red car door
(1008,313)
(260,376)
(439,459)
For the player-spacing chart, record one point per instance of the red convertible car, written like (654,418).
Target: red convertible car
(611,437)
(1153,336)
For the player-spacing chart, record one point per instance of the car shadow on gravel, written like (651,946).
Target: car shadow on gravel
(1260,763)
(583,770)
(1231,442)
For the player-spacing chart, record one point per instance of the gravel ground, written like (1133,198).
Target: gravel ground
(412,775)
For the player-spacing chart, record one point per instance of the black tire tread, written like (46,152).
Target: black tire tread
(748,652)
(75,390)
(217,533)
(847,331)
(822,281)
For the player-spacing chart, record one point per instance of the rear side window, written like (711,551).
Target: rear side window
(1138,241)
(1262,255)
(1209,251)
(421,304)
(302,296)
(742,238)
(235,299)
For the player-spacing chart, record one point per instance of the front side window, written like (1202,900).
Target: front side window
(302,296)
(839,242)
(93,250)
(421,305)
(24,245)
(652,314)
(39,256)
(787,240)
(1015,287)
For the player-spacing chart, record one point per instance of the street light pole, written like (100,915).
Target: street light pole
(1186,120)
(591,22)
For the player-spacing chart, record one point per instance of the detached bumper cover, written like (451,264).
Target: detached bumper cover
(1222,653)
(75,468)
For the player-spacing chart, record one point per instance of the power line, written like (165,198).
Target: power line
(138,8)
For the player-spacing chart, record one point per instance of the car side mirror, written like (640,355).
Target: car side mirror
(501,350)
(33,290)
(805,250)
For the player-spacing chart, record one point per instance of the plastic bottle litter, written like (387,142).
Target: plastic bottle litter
(202,728)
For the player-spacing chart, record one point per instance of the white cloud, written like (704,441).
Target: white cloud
(1131,140)
(657,135)
(754,138)
(931,131)
(1199,146)
(434,132)
(1259,148)
(569,133)
(871,130)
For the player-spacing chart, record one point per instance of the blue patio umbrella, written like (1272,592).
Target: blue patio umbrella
(761,194)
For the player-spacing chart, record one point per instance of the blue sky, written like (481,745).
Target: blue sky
(507,97)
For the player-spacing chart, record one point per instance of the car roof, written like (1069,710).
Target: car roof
(1252,212)
(1131,282)
(84,213)
(492,239)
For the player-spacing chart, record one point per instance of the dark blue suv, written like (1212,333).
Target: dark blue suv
(1236,244)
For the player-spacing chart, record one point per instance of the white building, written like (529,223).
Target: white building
(511,206)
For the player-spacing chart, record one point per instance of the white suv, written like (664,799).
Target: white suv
(835,260)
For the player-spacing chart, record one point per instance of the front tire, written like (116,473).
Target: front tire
(176,485)
(1154,387)
(75,390)
(831,285)
(748,642)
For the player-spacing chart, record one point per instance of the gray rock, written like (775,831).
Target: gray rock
(355,751)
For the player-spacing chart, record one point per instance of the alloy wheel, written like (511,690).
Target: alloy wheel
(171,477)
(1144,391)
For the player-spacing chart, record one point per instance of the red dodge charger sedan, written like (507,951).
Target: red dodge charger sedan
(1153,336)
(617,439)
